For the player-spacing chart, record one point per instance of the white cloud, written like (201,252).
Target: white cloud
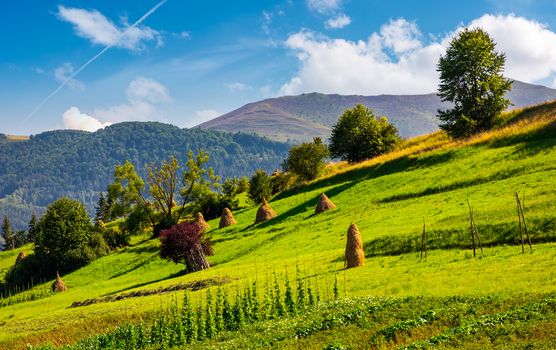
(75,119)
(64,72)
(400,35)
(94,26)
(396,60)
(530,46)
(338,22)
(143,89)
(205,115)
(144,97)
(266,22)
(324,6)
(238,87)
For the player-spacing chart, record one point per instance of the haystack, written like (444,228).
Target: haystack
(324,204)
(20,257)
(264,213)
(59,285)
(227,218)
(200,221)
(355,256)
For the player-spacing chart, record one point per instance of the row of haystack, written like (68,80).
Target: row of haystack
(354,254)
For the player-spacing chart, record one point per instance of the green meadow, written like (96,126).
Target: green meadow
(501,298)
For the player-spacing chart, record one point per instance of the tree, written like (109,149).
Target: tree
(102,209)
(471,78)
(7,235)
(128,188)
(63,233)
(260,187)
(306,160)
(32,228)
(185,243)
(358,135)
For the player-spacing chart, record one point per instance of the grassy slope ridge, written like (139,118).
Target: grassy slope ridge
(304,116)
(430,177)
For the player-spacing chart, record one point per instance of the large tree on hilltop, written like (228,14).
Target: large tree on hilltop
(471,78)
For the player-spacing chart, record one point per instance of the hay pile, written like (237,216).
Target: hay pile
(227,218)
(324,204)
(59,285)
(20,257)
(355,256)
(264,213)
(200,222)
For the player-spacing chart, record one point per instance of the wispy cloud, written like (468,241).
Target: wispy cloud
(324,6)
(94,26)
(95,57)
(64,72)
(238,87)
(338,22)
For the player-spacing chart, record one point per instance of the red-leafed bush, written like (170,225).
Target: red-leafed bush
(185,243)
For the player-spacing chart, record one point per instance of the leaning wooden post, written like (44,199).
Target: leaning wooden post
(520,227)
(471,227)
(476,232)
(424,241)
(521,205)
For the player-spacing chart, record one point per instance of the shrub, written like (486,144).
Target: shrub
(358,135)
(260,187)
(281,181)
(185,243)
(306,160)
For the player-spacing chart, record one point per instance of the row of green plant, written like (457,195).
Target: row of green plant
(7,298)
(215,313)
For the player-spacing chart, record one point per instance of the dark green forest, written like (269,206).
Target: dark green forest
(80,164)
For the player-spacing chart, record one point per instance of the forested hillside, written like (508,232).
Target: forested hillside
(79,164)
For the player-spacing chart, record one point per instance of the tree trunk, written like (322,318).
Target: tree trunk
(197,261)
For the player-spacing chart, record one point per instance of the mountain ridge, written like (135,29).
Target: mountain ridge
(302,117)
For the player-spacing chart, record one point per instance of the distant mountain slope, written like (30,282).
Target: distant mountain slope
(302,117)
(79,164)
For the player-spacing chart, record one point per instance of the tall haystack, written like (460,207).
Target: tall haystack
(355,256)
(227,218)
(264,213)
(200,221)
(20,257)
(59,285)
(324,204)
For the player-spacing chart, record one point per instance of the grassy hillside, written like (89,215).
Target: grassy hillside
(501,299)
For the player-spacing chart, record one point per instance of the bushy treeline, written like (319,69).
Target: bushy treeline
(223,310)
(79,164)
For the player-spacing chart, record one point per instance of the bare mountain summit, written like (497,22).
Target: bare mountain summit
(300,118)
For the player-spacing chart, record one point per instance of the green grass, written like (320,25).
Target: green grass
(388,198)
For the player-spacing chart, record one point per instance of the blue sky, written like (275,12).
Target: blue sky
(189,61)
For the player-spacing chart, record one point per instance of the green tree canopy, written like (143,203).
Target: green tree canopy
(260,187)
(471,78)
(62,231)
(359,135)
(306,160)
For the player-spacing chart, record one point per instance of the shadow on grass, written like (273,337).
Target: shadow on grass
(138,285)
(541,231)
(501,175)
(400,164)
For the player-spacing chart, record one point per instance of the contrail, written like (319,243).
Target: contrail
(74,74)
